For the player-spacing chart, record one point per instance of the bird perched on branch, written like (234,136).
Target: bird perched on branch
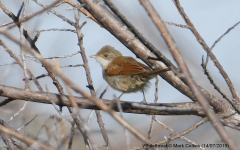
(124,74)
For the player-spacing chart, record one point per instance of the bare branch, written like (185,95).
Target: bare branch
(128,107)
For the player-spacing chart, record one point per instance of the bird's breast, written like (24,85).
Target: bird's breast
(125,83)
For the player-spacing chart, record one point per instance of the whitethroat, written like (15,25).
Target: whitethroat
(123,73)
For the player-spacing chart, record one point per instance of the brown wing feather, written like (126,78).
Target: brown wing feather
(127,66)
(144,66)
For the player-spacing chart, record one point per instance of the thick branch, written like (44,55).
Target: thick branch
(128,107)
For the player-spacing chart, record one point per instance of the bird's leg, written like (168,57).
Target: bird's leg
(120,96)
(101,95)
(144,99)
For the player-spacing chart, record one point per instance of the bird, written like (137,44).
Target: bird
(124,74)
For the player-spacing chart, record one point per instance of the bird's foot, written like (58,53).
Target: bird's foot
(144,101)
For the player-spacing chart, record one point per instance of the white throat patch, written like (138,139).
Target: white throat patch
(103,62)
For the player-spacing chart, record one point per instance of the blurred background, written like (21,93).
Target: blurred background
(211,19)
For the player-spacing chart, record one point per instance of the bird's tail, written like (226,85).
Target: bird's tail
(151,74)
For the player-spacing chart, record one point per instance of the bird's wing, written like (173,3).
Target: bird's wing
(127,67)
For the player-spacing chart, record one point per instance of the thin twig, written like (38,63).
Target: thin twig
(67,66)
(178,25)
(16,114)
(224,35)
(27,123)
(56,29)
(64,56)
(8,64)
(39,77)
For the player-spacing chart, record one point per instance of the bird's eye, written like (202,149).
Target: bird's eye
(105,55)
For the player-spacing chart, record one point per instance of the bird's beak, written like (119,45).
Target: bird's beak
(93,56)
